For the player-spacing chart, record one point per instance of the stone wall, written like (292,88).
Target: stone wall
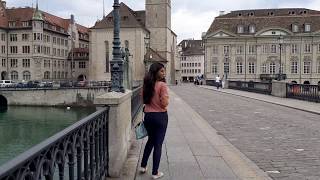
(53,97)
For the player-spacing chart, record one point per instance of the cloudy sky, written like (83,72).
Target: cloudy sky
(189,17)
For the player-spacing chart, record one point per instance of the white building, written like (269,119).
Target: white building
(245,45)
(191,59)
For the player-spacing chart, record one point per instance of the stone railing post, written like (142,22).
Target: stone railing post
(279,89)
(119,128)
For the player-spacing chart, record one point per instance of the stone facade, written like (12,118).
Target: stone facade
(191,59)
(35,45)
(147,34)
(245,45)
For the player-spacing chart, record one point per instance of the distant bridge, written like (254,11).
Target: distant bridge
(79,96)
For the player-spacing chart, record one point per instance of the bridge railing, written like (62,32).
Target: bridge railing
(77,152)
(257,87)
(304,92)
(136,103)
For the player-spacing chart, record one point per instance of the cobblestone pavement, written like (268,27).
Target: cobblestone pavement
(283,142)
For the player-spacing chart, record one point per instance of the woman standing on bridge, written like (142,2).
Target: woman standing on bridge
(156,100)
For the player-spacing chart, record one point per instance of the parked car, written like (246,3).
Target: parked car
(6,83)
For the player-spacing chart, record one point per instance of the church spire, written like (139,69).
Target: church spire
(103,9)
(37,15)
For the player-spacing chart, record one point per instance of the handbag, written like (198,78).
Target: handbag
(141,131)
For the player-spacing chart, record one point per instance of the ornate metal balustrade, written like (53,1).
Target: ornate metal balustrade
(257,87)
(82,148)
(136,102)
(304,92)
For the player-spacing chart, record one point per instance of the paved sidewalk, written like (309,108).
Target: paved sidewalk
(194,151)
(288,102)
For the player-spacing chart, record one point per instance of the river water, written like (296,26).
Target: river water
(23,127)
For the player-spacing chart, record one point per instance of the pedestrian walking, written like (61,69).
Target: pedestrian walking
(218,81)
(156,99)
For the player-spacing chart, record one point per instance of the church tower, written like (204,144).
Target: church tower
(158,22)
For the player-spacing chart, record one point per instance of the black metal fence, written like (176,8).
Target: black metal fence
(136,103)
(82,148)
(257,87)
(212,83)
(304,92)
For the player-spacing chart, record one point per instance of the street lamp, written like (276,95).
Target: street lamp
(117,60)
(280,41)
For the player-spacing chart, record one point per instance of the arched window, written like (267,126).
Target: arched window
(240,29)
(252,29)
(47,75)
(14,75)
(26,75)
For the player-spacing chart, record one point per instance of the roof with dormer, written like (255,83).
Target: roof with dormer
(266,18)
(191,47)
(27,14)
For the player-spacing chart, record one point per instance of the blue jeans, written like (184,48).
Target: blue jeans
(156,124)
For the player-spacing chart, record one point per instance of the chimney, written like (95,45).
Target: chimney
(221,13)
(72,19)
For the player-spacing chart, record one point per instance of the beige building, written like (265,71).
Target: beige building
(146,33)
(245,45)
(191,59)
(35,45)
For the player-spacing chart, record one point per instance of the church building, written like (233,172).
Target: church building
(146,33)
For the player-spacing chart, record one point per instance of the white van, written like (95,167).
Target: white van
(6,83)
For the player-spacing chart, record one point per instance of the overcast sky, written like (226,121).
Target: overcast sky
(189,17)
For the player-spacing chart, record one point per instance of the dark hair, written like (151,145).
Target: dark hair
(149,82)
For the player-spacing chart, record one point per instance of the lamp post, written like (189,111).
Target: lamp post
(280,41)
(117,60)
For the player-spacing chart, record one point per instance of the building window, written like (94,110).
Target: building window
(273,48)
(318,67)
(3,37)
(295,28)
(272,68)
(240,29)
(14,75)
(239,67)
(26,75)
(13,37)
(265,48)
(307,67)
(3,62)
(251,67)
(252,49)
(226,50)
(25,37)
(252,29)
(3,49)
(215,49)
(13,49)
(214,68)
(26,49)
(82,65)
(14,63)
(47,75)
(73,65)
(12,24)
(307,48)
(226,68)
(294,48)
(54,40)
(294,67)
(26,63)
(307,28)
(264,68)
(239,49)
